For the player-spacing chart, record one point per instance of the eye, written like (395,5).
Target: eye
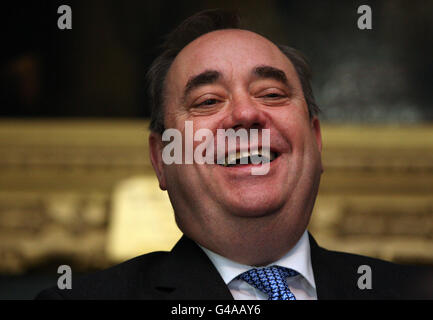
(207,102)
(273,95)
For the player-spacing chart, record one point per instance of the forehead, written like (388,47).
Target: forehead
(232,52)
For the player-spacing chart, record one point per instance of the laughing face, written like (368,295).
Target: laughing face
(236,79)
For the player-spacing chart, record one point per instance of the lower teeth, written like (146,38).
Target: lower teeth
(256,161)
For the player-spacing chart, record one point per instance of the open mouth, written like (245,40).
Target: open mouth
(247,158)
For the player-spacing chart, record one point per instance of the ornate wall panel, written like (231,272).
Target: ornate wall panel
(61,182)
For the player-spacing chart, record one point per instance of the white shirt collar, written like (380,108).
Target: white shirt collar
(298,258)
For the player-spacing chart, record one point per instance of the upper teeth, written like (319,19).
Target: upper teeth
(246,156)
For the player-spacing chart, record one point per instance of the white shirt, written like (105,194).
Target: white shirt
(298,259)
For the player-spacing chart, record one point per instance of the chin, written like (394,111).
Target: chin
(251,204)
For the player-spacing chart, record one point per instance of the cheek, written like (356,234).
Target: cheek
(172,172)
(180,179)
(294,127)
(206,125)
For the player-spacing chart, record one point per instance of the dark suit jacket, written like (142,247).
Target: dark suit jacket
(187,273)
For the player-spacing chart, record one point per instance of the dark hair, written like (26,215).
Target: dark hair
(191,29)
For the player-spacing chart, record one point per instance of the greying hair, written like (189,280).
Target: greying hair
(191,29)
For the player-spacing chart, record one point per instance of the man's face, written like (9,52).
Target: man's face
(244,82)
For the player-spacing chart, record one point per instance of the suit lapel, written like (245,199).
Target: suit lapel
(334,279)
(336,276)
(187,273)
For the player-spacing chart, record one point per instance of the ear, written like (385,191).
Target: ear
(155,151)
(315,128)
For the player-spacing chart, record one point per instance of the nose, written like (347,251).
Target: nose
(244,113)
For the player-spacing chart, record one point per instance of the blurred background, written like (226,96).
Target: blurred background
(76,185)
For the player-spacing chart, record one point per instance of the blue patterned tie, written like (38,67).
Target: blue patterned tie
(270,280)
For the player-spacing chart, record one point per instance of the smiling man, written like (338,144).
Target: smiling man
(245,235)
(227,209)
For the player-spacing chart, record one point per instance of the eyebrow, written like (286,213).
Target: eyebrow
(206,77)
(268,72)
(211,76)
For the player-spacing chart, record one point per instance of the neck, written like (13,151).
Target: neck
(250,241)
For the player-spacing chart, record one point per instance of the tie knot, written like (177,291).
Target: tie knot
(271,280)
